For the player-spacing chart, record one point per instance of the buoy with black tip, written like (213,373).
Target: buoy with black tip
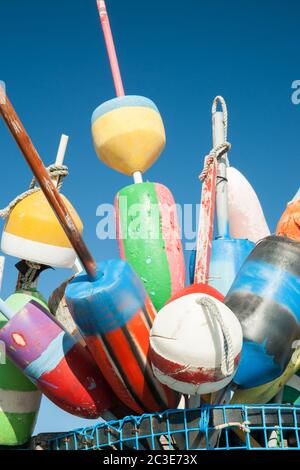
(265,297)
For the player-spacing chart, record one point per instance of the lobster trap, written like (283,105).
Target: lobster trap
(221,427)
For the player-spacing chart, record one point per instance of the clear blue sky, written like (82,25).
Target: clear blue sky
(180,54)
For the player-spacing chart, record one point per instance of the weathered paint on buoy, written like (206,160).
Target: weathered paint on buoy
(198,289)
(19,398)
(246,217)
(128,133)
(149,239)
(195,344)
(115,315)
(61,368)
(32,232)
(265,393)
(265,297)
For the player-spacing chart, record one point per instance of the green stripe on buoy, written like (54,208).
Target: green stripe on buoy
(142,240)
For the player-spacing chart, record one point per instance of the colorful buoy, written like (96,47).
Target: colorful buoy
(246,217)
(266,392)
(149,239)
(61,368)
(115,315)
(289,223)
(19,398)
(32,232)
(198,289)
(128,133)
(196,343)
(265,297)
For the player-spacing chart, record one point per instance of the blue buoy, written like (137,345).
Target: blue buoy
(265,297)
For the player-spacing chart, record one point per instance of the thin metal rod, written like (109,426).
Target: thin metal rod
(54,198)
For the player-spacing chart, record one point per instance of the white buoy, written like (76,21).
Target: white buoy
(246,216)
(195,345)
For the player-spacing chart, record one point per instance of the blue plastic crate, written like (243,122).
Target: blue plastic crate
(222,427)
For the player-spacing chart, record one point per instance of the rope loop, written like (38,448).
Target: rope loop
(220,99)
(58,172)
(227,363)
(217,152)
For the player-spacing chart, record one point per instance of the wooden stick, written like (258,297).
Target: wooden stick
(206,226)
(110,46)
(38,169)
(114,64)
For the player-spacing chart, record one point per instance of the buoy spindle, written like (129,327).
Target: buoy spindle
(219,138)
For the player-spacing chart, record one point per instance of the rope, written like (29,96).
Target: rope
(222,149)
(58,172)
(243,426)
(227,364)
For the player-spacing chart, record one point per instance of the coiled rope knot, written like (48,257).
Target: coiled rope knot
(222,149)
(227,362)
(57,172)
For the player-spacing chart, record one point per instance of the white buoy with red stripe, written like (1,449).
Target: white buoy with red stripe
(196,342)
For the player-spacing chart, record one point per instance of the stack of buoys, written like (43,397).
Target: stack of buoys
(105,343)
(129,135)
(42,356)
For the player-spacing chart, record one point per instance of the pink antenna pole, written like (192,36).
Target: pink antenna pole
(110,46)
(206,225)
